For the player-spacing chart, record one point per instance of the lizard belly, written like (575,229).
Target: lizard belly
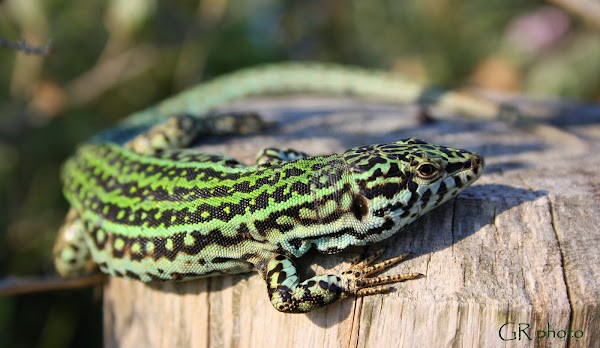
(180,256)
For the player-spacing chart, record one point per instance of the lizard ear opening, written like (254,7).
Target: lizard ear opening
(360,207)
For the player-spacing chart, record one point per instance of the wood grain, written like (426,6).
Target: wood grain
(520,246)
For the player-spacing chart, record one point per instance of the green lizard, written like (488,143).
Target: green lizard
(145,206)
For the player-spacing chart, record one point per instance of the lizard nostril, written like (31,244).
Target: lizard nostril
(477,161)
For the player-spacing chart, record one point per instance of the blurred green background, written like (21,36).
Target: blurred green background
(111,58)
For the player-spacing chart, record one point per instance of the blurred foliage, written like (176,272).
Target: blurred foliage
(111,58)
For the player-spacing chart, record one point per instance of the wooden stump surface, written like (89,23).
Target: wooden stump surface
(512,261)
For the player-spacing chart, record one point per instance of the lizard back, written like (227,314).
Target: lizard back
(198,214)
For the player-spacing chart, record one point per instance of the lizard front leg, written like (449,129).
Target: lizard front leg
(289,295)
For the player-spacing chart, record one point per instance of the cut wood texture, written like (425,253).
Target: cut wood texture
(512,261)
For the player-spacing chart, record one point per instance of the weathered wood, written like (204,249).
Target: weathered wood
(520,247)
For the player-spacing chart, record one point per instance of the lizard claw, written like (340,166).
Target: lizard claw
(358,278)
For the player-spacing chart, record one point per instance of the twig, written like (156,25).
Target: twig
(23,46)
(16,286)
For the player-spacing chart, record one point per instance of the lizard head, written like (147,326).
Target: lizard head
(398,182)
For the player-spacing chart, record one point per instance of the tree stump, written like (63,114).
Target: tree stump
(512,261)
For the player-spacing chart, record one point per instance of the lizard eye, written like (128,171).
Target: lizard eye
(427,170)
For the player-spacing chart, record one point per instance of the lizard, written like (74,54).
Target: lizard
(145,205)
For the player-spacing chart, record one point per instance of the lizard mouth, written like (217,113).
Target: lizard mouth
(462,175)
(470,172)
(474,164)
